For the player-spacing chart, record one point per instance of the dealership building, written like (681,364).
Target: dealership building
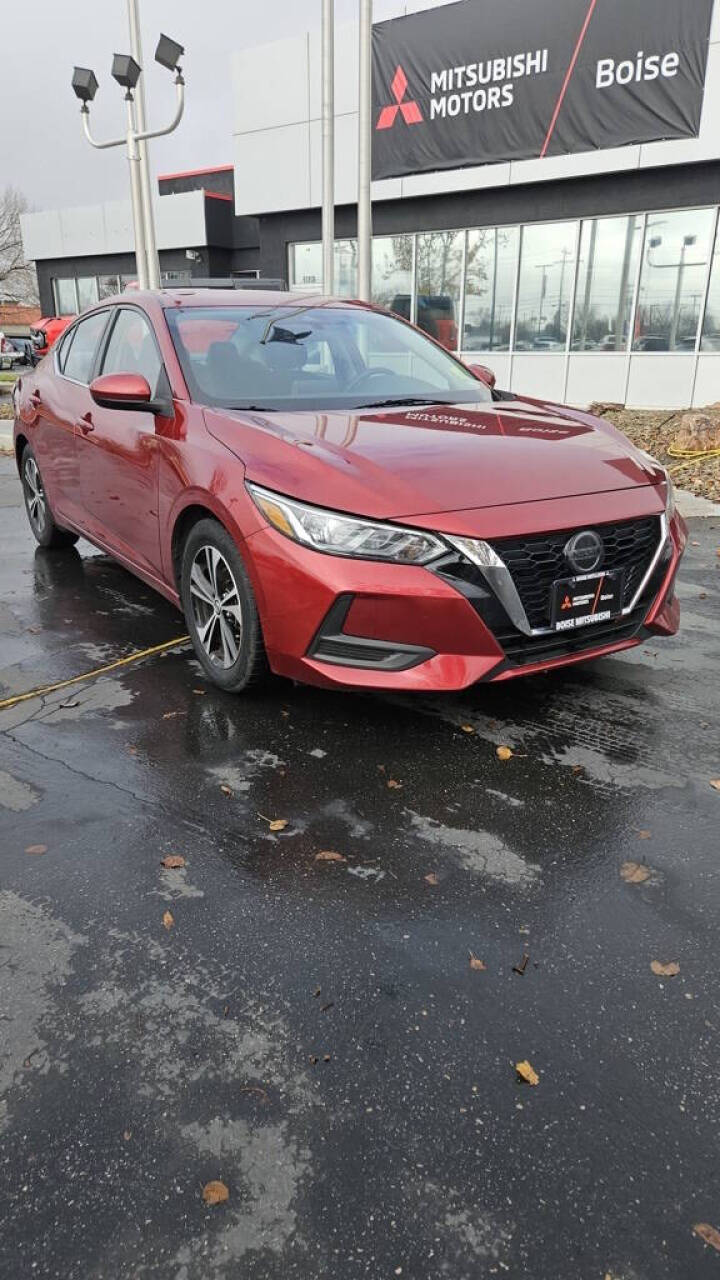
(548,203)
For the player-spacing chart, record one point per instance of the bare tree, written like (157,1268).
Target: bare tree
(18,281)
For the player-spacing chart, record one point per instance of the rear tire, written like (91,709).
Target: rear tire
(220,609)
(39,514)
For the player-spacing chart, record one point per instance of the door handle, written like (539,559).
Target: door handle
(35,399)
(85,423)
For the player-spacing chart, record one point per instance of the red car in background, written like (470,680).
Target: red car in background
(45,332)
(327,492)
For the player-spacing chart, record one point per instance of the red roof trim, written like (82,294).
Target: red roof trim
(217,195)
(195,173)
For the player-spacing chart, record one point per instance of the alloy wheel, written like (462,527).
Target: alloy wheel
(217,612)
(35,494)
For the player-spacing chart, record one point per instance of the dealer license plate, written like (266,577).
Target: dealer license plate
(590,598)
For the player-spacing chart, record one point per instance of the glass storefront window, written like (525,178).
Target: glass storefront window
(65,298)
(345,269)
(489,288)
(439,272)
(392,263)
(607,267)
(547,262)
(672,280)
(87,288)
(710,339)
(107,286)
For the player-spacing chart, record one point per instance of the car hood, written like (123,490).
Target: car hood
(415,461)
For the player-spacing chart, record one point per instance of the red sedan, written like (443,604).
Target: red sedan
(327,492)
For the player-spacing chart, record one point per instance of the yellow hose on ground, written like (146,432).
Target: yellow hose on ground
(90,675)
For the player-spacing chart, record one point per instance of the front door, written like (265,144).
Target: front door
(118,451)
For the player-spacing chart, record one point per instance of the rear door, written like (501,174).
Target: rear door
(53,399)
(118,454)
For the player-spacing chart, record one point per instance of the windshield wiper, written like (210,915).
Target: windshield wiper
(400,400)
(251,408)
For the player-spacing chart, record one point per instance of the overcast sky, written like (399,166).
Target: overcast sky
(42,148)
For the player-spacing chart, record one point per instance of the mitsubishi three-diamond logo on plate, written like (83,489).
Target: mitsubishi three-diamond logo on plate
(410,110)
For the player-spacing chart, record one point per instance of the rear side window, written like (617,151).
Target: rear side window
(132,348)
(79,359)
(63,349)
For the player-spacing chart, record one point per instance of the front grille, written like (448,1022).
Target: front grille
(537,560)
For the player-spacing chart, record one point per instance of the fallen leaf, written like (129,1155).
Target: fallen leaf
(526,1073)
(522,966)
(313,1059)
(326,1057)
(707,1233)
(274,824)
(215,1193)
(467,728)
(715,782)
(431,878)
(37,848)
(665,970)
(168,919)
(127,1135)
(172,861)
(703,595)
(634,872)
(503,753)
(170,715)
(394,786)
(226,790)
(577,768)
(644,835)
(329,855)
(475,963)
(200,692)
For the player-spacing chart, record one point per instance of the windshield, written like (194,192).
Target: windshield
(310,357)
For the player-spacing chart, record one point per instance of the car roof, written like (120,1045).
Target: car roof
(188,297)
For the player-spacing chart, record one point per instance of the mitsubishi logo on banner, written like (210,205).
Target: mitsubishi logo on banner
(411,113)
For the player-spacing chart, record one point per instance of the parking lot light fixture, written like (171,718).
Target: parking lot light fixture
(169,53)
(85,85)
(125,70)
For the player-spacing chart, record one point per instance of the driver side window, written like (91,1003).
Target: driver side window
(132,348)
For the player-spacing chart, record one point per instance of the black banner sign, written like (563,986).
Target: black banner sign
(481,81)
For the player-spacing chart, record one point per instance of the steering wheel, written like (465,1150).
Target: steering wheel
(368,376)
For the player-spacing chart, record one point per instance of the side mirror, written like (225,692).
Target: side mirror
(483,374)
(128,391)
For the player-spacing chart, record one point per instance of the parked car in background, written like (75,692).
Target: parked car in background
(435,315)
(327,492)
(24,347)
(46,332)
(9,354)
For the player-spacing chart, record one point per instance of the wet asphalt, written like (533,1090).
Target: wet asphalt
(311,1032)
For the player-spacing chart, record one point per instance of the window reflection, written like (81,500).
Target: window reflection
(547,262)
(672,280)
(392,264)
(439,272)
(489,288)
(107,286)
(710,340)
(609,251)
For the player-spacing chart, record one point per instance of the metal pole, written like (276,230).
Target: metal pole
(153,264)
(364,207)
(137,208)
(328,144)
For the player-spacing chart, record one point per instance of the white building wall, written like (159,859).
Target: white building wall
(108,228)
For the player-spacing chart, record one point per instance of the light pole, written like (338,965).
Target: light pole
(364,206)
(328,144)
(126,70)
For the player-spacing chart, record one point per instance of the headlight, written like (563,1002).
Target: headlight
(341,535)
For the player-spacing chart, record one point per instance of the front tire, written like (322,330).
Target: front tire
(220,609)
(42,522)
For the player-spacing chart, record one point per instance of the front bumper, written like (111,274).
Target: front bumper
(347,623)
